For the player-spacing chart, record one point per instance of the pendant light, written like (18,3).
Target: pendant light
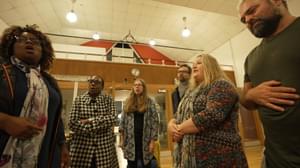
(71,16)
(186,32)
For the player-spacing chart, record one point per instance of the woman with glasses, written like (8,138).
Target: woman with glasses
(139,127)
(92,119)
(31,130)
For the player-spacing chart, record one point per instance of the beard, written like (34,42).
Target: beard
(265,27)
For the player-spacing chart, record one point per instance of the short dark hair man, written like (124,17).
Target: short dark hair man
(183,76)
(272,82)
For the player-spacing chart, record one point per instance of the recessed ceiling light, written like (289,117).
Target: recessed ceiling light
(152,42)
(96,36)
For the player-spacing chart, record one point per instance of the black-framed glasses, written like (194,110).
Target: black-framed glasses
(96,81)
(23,39)
(182,71)
(138,84)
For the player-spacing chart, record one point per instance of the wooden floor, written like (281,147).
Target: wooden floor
(253,153)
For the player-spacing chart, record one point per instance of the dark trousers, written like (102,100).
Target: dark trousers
(137,164)
(94,162)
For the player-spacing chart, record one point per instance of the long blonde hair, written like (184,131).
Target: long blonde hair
(211,71)
(136,102)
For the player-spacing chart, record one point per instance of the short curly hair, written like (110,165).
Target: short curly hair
(8,40)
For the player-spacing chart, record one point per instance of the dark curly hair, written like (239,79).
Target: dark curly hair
(8,40)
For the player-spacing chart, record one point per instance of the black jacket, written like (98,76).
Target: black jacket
(8,97)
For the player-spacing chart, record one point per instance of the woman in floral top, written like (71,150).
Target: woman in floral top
(205,126)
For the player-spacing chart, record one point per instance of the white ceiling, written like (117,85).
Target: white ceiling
(212,22)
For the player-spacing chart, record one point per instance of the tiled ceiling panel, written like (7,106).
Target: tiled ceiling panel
(212,22)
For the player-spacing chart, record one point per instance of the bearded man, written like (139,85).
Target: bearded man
(271,80)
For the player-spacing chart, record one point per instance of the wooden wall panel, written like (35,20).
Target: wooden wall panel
(115,72)
(230,75)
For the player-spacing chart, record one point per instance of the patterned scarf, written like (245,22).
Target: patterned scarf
(24,152)
(184,152)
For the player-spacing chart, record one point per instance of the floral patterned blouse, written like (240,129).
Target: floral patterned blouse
(214,110)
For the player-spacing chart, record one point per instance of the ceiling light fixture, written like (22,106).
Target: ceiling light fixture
(152,42)
(186,32)
(129,37)
(96,36)
(71,16)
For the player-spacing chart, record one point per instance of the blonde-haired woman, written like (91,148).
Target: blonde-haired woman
(139,127)
(205,125)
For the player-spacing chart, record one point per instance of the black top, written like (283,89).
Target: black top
(138,134)
(20,92)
